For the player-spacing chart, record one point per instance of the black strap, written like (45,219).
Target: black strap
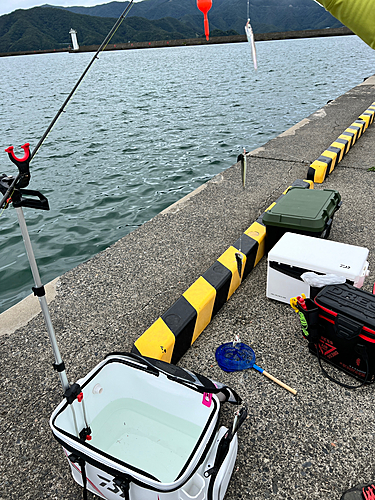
(189,379)
(59,368)
(82,464)
(347,386)
(72,392)
(75,459)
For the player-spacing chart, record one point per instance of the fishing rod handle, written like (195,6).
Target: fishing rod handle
(293,391)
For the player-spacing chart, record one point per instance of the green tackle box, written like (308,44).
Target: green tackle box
(303,211)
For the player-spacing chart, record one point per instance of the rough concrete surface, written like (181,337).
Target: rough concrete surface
(20,314)
(306,447)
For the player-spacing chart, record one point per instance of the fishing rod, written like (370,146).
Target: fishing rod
(24,162)
(14,192)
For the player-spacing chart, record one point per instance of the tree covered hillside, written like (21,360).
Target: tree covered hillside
(266,15)
(48,28)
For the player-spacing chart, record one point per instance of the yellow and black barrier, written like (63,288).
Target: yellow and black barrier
(331,157)
(171,335)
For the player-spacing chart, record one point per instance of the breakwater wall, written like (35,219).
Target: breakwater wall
(259,37)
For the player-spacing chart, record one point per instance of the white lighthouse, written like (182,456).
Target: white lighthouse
(73,34)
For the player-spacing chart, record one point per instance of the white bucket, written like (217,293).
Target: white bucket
(159,433)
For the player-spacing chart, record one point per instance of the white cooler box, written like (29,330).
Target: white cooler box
(295,254)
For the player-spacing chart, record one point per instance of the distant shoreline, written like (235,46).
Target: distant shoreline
(259,37)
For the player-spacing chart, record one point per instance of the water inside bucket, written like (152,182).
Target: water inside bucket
(145,437)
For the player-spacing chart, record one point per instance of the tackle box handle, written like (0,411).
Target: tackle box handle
(362,352)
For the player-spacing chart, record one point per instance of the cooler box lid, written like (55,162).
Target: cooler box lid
(346,300)
(320,255)
(303,209)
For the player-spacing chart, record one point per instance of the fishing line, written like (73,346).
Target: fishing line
(100,49)
(61,110)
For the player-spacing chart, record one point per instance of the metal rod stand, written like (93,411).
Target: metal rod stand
(42,299)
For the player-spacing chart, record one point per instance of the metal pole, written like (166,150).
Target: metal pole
(42,300)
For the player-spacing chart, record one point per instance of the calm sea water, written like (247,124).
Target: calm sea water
(146,128)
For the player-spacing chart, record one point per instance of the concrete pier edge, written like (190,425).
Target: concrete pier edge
(21,313)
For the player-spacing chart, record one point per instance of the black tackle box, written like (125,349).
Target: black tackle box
(340,327)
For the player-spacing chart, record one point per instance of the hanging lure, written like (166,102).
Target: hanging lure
(243,167)
(204,6)
(250,37)
(242,158)
(239,259)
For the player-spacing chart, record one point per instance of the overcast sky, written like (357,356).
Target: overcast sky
(7,6)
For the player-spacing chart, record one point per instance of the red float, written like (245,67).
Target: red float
(204,6)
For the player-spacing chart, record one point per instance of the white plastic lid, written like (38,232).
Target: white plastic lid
(320,255)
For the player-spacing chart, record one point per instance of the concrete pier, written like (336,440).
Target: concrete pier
(310,446)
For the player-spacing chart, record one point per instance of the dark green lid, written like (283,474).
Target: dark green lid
(303,209)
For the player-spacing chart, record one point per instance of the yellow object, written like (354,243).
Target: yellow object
(332,155)
(272,205)
(258,233)
(201,295)
(357,15)
(171,335)
(341,146)
(320,171)
(293,303)
(156,342)
(329,159)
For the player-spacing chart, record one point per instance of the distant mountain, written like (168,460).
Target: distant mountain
(266,15)
(48,28)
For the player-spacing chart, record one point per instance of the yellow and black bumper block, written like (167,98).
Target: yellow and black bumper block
(368,117)
(360,125)
(320,169)
(157,342)
(350,135)
(176,330)
(301,183)
(171,335)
